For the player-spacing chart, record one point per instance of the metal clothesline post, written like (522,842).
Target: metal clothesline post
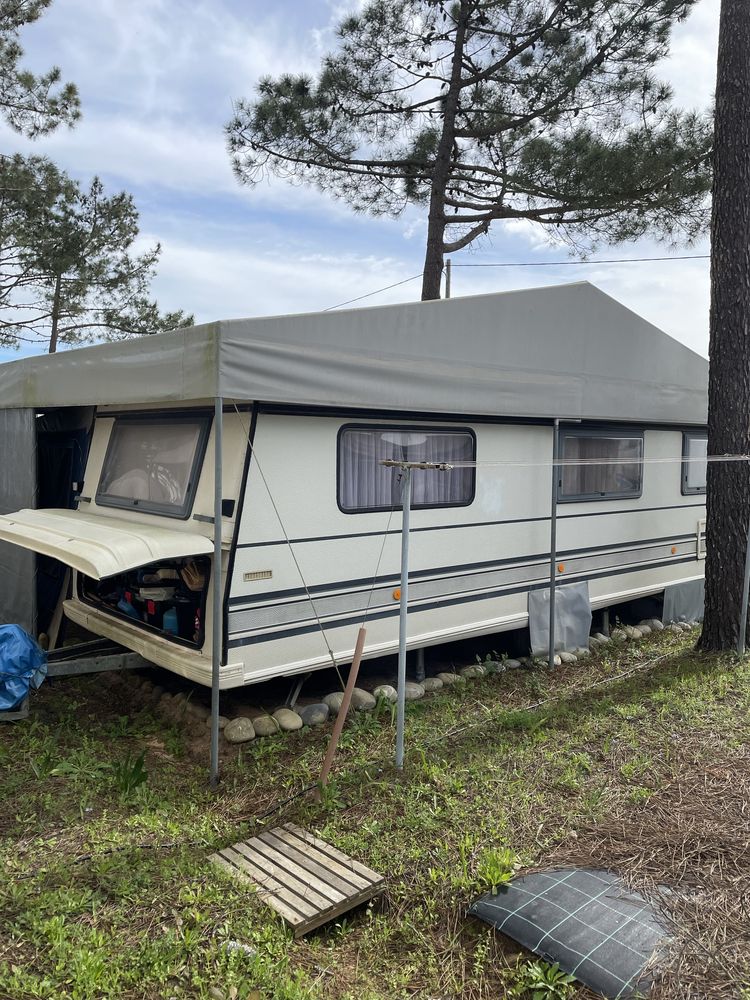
(216,617)
(402,615)
(553,540)
(406,470)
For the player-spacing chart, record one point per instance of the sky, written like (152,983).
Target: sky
(157,80)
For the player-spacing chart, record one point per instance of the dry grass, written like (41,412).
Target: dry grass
(687,848)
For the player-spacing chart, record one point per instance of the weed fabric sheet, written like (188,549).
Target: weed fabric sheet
(584,919)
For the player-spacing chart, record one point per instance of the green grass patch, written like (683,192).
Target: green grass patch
(106,822)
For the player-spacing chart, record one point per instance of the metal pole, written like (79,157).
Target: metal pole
(448,278)
(745,592)
(401,705)
(553,541)
(419,673)
(216,617)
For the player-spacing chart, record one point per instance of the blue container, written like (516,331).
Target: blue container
(169,622)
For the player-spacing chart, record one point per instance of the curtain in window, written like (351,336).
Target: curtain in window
(695,473)
(622,477)
(365,484)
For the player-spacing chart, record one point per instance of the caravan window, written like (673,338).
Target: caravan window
(365,485)
(620,473)
(153,463)
(694,452)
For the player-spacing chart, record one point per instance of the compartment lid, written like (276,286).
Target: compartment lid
(98,546)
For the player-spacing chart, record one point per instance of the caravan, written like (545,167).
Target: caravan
(295,416)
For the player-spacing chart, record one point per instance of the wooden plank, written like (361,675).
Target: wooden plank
(355,866)
(307,861)
(270,888)
(277,869)
(356,881)
(57,617)
(299,870)
(307,881)
(272,885)
(291,916)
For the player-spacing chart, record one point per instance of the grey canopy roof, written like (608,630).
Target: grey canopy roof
(565,351)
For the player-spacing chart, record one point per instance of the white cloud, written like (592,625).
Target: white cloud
(158,78)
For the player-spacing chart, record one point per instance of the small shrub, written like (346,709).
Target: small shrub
(129,774)
(541,981)
(496,867)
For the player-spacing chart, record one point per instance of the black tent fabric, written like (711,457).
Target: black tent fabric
(585,920)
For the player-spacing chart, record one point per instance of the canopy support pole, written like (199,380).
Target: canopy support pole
(553,540)
(216,616)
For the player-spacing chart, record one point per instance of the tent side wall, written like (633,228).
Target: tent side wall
(18,489)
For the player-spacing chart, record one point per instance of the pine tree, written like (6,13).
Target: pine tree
(68,270)
(32,105)
(728,496)
(491,110)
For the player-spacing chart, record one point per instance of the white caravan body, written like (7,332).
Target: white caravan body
(310,523)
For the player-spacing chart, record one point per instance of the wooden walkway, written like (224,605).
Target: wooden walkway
(303,878)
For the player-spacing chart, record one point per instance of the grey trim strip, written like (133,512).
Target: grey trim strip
(468,524)
(247,601)
(274,615)
(356,620)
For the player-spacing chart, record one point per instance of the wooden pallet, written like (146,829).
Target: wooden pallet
(307,881)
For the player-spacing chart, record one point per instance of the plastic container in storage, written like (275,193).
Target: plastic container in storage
(169,622)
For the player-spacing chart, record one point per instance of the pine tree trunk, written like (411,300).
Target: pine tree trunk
(55,315)
(728,496)
(436,221)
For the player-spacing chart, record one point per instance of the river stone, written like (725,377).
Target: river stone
(223,720)
(362,700)
(386,691)
(432,684)
(602,637)
(619,634)
(582,652)
(288,720)
(512,664)
(685,626)
(448,678)
(265,725)
(413,691)
(315,715)
(594,643)
(568,657)
(644,629)
(239,730)
(472,671)
(673,628)
(333,701)
(656,625)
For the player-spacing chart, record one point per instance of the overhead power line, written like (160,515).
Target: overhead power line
(528,263)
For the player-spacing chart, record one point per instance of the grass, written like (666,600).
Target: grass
(106,821)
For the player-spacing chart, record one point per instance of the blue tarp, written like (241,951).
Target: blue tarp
(23,665)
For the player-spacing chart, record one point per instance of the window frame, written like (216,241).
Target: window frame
(685,490)
(182,513)
(406,429)
(585,431)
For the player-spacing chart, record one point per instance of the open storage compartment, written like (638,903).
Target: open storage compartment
(167,597)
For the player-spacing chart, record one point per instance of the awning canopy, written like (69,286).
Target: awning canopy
(568,351)
(98,546)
